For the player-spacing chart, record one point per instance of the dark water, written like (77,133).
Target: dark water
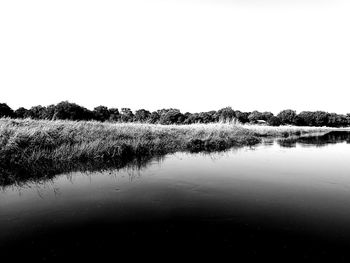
(284,200)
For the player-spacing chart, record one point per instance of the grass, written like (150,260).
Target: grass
(39,148)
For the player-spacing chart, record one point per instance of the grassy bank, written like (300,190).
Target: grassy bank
(40,148)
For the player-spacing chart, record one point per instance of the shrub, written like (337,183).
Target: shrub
(101,113)
(5,110)
(21,113)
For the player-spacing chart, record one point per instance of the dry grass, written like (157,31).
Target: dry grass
(37,147)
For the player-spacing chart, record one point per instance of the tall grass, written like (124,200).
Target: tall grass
(40,148)
(37,147)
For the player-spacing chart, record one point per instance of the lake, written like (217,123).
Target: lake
(282,199)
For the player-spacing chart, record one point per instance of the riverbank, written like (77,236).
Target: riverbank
(46,147)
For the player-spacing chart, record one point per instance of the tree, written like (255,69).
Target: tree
(142,115)
(71,111)
(5,110)
(266,115)
(255,116)
(193,118)
(172,116)
(114,114)
(320,118)
(348,119)
(36,112)
(226,114)
(154,117)
(287,116)
(337,120)
(206,117)
(101,113)
(306,118)
(299,121)
(127,115)
(21,113)
(49,112)
(274,121)
(242,117)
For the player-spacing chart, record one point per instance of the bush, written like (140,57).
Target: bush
(5,110)
(21,113)
(101,113)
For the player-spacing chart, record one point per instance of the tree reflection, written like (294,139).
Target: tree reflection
(318,141)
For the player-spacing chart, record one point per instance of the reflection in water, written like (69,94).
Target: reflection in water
(267,201)
(47,171)
(320,140)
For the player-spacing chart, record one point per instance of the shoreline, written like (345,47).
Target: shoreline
(40,148)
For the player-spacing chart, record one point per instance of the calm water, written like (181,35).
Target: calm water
(281,199)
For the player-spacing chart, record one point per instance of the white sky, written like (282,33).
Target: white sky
(193,55)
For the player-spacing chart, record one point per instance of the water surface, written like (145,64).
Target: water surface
(282,199)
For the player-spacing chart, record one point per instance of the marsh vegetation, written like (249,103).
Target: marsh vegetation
(42,148)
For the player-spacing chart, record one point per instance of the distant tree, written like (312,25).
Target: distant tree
(333,120)
(306,118)
(342,121)
(287,116)
(188,118)
(320,118)
(255,116)
(206,117)
(163,111)
(71,111)
(226,114)
(36,112)
(212,115)
(142,115)
(49,112)
(192,118)
(299,121)
(242,117)
(266,115)
(5,110)
(274,121)
(337,120)
(154,117)
(172,116)
(348,119)
(21,113)
(127,115)
(114,114)
(101,113)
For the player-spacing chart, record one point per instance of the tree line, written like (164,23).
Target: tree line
(70,111)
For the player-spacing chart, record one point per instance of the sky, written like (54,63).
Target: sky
(193,55)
